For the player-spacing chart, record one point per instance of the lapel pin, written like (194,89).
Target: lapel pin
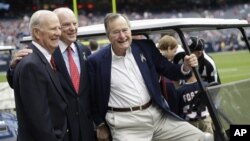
(143,57)
(84,56)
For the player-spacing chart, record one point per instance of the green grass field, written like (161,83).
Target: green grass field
(232,98)
(232,66)
(3,77)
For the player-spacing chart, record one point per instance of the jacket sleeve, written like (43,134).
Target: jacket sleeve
(33,96)
(9,76)
(160,63)
(95,105)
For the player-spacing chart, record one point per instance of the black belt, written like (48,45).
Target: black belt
(142,107)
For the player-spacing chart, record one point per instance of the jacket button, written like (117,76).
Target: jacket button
(77,113)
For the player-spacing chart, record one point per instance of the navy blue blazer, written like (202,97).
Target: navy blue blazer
(99,65)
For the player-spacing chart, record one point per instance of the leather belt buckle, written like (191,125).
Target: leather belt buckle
(140,108)
(131,109)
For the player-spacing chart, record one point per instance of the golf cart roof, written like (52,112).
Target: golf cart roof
(163,25)
(7,48)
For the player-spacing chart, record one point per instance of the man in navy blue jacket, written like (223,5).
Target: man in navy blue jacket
(124,79)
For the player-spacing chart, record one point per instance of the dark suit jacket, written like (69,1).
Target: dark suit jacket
(99,65)
(40,101)
(79,107)
(80,119)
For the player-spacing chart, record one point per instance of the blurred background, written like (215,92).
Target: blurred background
(221,45)
(15,14)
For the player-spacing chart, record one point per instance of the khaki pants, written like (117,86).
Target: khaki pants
(150,125)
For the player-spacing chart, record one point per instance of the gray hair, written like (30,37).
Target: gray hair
(111,17)
(59,10)
(37,19)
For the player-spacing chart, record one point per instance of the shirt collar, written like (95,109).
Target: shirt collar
(115,57)
(63,46)
(42,50)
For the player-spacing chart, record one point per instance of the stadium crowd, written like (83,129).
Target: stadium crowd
(12,30)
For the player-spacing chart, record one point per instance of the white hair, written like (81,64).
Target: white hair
(37,19)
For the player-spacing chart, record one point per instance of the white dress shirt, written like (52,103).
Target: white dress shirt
(46,54)
(127,88)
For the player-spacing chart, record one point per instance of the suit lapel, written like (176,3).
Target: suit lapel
(106,69)
(56,81)
(60,64)
(83,72)
(142,63)
(63,69)
(52,74)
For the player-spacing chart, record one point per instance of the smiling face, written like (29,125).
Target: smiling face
(47,30)
(119,34)
(50,33)
(69,25)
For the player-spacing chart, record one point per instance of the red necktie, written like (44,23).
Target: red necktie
(53,64)
(164,87)
(75,76)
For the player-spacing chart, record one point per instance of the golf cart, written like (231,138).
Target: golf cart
(184,28)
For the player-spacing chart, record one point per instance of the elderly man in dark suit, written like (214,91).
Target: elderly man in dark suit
(40,102)
(74,81)
(124,79)
(80,118)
